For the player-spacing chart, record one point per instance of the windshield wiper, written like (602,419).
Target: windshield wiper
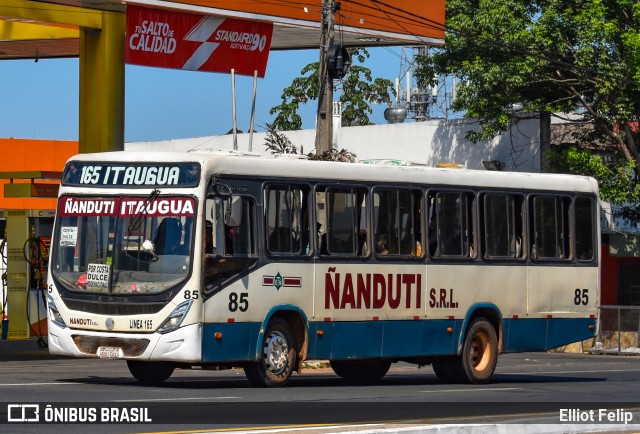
(134,224)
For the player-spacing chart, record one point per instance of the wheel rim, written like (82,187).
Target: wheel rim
(480,351)
(276,353)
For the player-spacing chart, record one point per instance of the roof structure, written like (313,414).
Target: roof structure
(39,29)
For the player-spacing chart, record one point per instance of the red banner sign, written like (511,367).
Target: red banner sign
(180,40)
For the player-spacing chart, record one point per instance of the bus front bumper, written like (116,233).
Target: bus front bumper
(182,345)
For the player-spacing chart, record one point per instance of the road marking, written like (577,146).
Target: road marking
(56,383)
(473,389)
(176,399)
(567,372)
(274,429)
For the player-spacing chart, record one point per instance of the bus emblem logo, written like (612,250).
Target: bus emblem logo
(279,281)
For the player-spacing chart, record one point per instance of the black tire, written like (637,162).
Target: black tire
(150,373)
(479,355)
(442,368)
(278,358)
(362,371)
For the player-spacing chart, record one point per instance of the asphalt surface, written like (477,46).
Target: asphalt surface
(540,376)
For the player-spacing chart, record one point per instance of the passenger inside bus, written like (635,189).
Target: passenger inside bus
(168,237)
(172,257)
(382,244)
(208,237)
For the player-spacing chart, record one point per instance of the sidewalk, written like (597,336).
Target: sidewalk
(23,349)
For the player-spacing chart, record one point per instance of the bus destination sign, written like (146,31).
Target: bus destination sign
(78,173)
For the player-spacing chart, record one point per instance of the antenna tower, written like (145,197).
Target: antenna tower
(421,104)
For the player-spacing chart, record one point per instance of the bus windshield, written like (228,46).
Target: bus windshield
(123,245)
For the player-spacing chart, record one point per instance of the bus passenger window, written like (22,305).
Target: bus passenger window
(234,227)
(287,220)
(550,228)
(242,236)
(584,228)
(397,222)
(452,224)
(502,228)
(341,216)
(231,249)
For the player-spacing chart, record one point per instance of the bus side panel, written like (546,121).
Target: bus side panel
(543,334)
(524,335)
(237,341)
(563,331)
(419,337)
(343,340)
(562,290)
(357,339)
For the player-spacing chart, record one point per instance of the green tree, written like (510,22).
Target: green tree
(515,58)
(552,56)
(358,90)
(615,174)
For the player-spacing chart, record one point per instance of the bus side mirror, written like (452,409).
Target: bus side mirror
(233,211)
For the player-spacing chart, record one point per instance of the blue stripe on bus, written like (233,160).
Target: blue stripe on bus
(544,334)
(397,339)
(237,341)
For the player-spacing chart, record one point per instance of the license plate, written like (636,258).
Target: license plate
(109,353)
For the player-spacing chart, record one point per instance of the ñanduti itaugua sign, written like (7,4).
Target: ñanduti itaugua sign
(178,40)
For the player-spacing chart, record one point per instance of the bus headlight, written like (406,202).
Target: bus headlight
(54,315)
(175,318)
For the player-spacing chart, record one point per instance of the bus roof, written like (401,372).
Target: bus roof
(225,163)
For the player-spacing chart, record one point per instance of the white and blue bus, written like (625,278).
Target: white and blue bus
(181,260)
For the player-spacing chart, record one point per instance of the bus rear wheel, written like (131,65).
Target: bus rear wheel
(363,372)
(278,357)
(479,355)
(150,373)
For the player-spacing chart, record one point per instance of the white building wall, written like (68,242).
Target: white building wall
(427,143)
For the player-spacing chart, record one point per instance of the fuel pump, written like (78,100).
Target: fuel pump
(4,325)
(36,253)
(28,241)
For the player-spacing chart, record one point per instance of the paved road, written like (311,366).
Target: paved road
(526,388)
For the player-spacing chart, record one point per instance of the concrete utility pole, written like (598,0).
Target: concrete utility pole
(324,120)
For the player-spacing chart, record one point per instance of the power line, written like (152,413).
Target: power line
(486,42)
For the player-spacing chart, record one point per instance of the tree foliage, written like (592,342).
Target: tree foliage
(615,175)
(512,58)
(358,90)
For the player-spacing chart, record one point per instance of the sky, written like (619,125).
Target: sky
(39,100)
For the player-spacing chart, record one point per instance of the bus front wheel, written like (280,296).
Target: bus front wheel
(150,373)
(366,371)
(479,354)
(278,357)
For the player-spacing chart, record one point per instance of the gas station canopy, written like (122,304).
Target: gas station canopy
(38,29)
(94,31)
(31,188)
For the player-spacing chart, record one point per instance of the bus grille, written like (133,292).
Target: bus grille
(102,308)
(130,347)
